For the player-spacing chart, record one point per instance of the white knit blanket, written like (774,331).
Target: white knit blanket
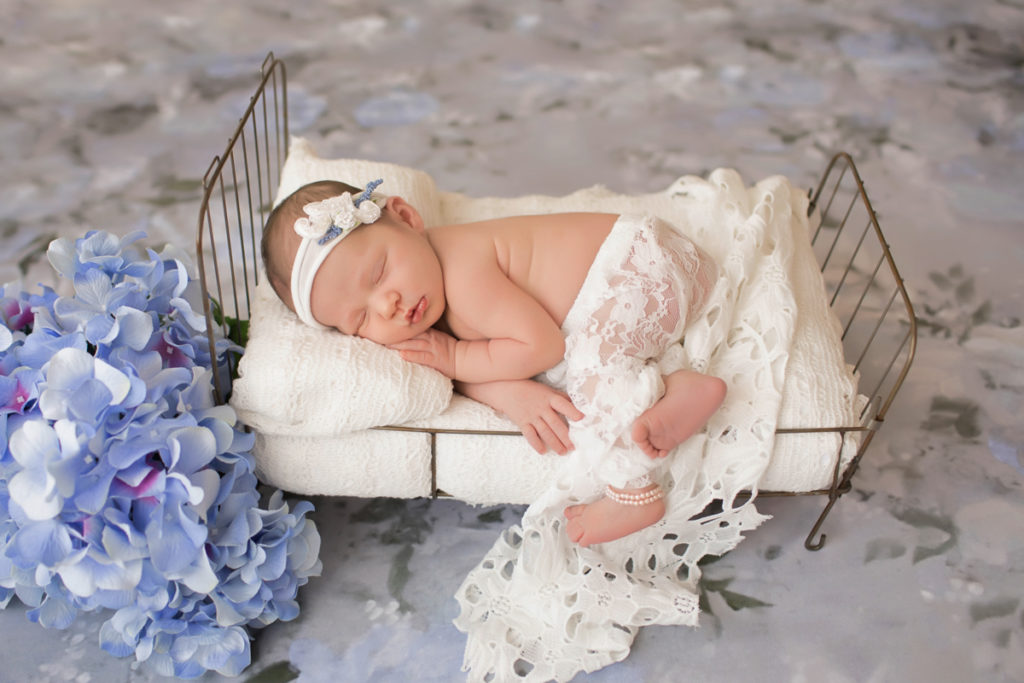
(538,607)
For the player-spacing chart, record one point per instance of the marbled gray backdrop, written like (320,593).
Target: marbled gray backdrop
(110,111)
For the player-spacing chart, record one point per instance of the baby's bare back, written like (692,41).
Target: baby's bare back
(546,256)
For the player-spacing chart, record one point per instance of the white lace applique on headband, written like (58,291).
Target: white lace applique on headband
(325,224)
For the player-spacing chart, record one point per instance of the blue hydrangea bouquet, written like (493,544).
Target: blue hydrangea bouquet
(123,486)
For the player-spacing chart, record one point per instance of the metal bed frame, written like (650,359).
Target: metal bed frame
(862,282)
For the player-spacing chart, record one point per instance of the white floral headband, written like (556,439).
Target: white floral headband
(323,227)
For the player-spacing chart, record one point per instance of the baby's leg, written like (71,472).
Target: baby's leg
(690,399)
(619,513)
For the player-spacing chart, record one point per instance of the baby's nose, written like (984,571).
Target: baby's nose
(387,304)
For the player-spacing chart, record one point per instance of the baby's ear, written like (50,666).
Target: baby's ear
(405,212)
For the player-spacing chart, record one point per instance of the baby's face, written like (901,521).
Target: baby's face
(383,282)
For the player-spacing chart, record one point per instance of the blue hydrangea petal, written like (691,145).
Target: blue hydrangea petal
(89,574)
(92,288)
(228,653)
(56,611)
(93,492)
(174,538)
(123,543)
(68,368)
(115,380)
(191,448)
(183,308)
(208,482)
(222,431)
(34,443)
(40,347)
(136,473)
(101,329)
(88,401)
(61,254)
(199,576)
(45,542)
(35,492)
(136,327)
(119,635)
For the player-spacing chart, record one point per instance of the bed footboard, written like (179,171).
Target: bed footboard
(868,296)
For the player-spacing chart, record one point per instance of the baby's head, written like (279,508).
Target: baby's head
(355,261)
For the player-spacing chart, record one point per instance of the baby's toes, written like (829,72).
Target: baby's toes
(574,530)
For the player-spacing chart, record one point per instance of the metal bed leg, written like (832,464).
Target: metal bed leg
(809,543)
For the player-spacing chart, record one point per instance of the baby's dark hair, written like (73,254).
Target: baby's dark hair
(279,243)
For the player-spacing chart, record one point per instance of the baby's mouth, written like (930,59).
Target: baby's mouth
(415,313)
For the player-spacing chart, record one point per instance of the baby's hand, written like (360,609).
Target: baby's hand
(540,412)
(432,348)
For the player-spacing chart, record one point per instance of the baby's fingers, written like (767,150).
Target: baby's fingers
(550,437)
(563,405)
(417,343)
(533,438)
(556,433)
(419,357)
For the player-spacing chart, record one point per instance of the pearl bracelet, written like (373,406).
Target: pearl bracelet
(635,499)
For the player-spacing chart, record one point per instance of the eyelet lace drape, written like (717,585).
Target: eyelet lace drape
(538,607)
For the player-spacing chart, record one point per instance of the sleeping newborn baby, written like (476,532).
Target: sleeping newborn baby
(595,304)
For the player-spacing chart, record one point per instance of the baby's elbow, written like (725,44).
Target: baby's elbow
(555,351)
(546,352)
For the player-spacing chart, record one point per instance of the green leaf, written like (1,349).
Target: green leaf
(490,517)
(965,291)
(982,314)
(920,519)
(738,601)
(884,549)
(278,672)
(993,609)
(398,576)
(940,280)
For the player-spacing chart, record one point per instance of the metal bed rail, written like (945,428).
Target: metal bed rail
(862,282)
(238,193)
(870,300)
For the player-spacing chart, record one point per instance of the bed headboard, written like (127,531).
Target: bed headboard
(238,192)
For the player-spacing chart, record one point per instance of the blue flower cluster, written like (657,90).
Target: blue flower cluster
(123,486)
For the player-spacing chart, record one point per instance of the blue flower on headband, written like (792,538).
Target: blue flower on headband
(370,187)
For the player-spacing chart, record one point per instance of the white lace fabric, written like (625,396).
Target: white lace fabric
(540,608)
(622,337)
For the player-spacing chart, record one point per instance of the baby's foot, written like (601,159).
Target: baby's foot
(690,399)
(607,520)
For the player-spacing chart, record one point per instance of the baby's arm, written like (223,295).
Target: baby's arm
(539,411)
(521,339)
